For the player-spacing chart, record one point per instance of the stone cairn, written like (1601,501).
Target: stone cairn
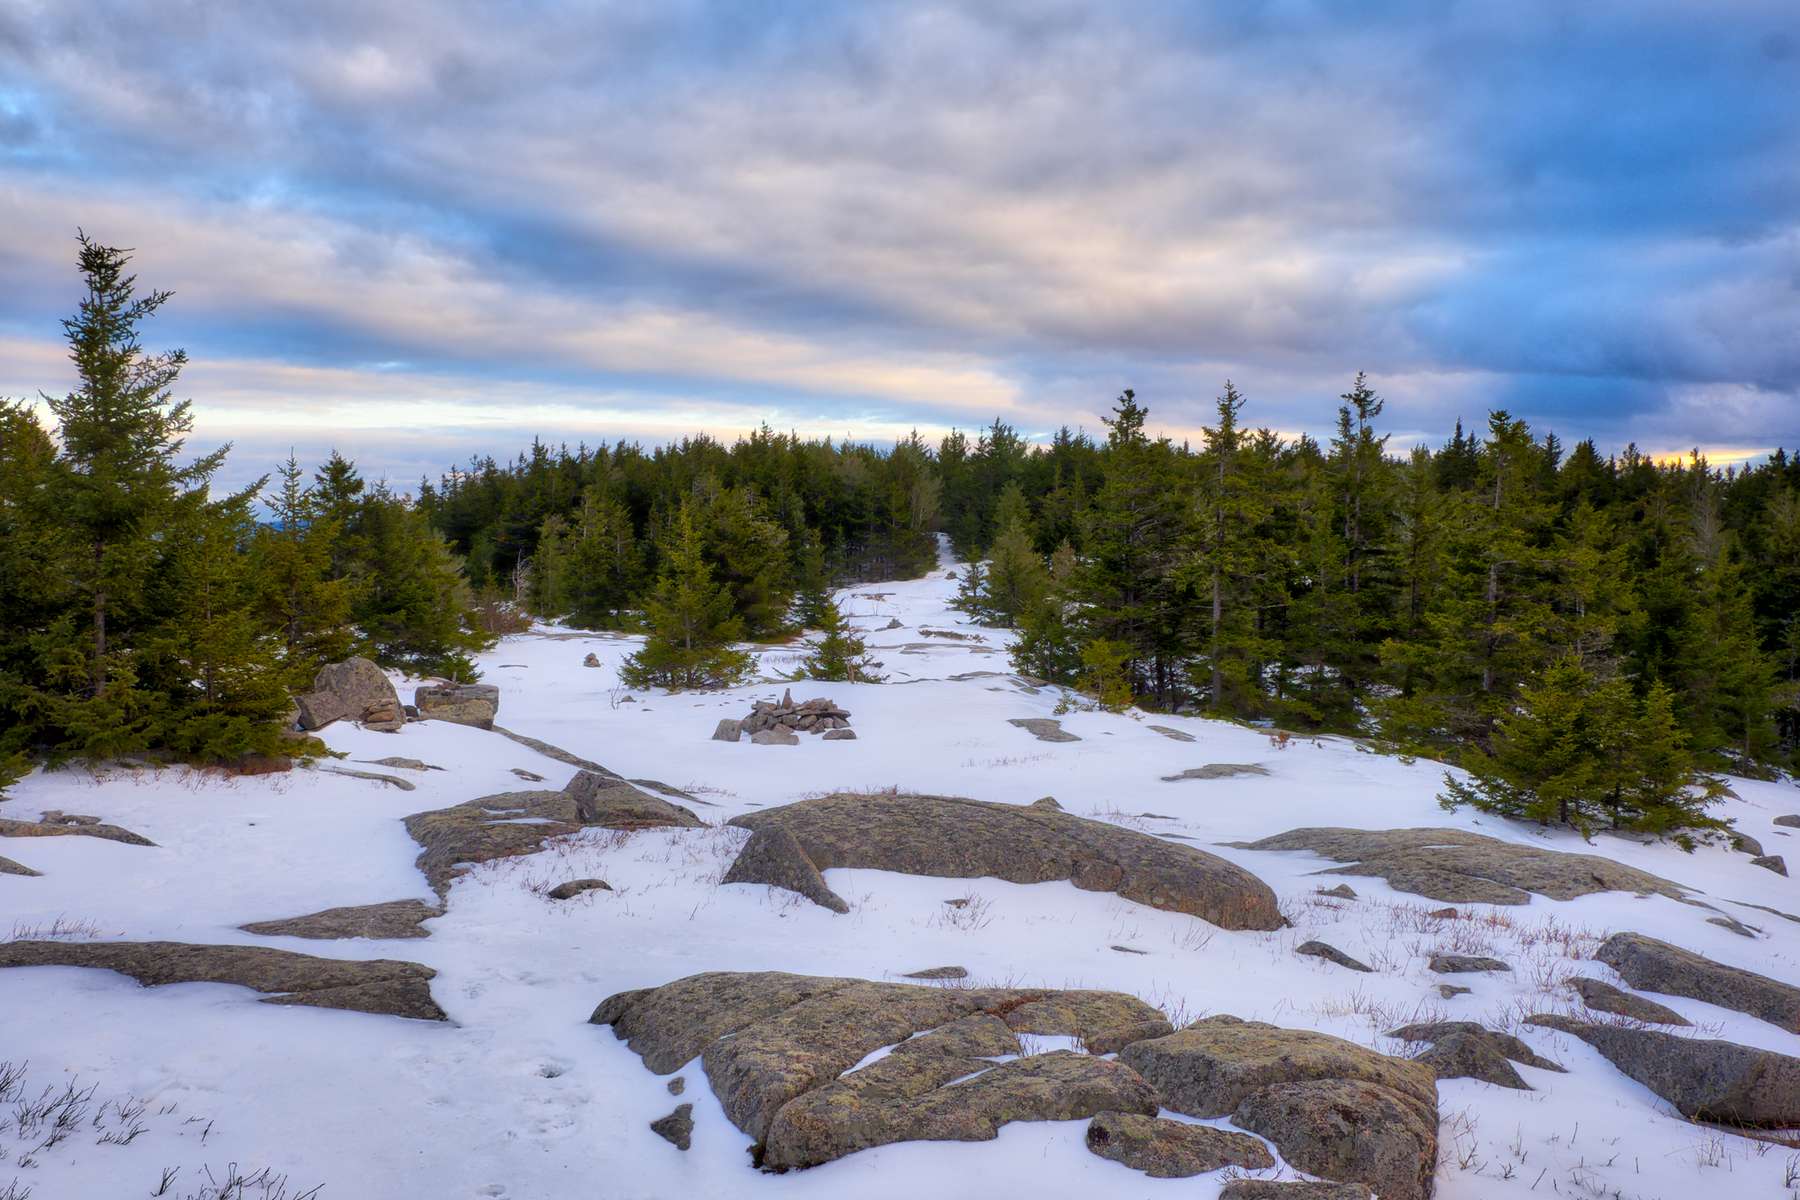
(773,723)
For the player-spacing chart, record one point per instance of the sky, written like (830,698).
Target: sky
(416,232)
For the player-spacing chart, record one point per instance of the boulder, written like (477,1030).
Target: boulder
(1465,1050)
(1771,862)
(385,986)
(1044,729)
(772,856)
(577,887)
(392,919)
(1656,966)
(9,867)
(957,838)
(345,691)
(840,735)
(1451,991)
(1789,820)
(1292,1189)
(592,660)
(384,716)
(1704,1079)
(1331,954)
(779,735)
(527,776)
(1463,964)
(1166,1149)
(474,704)
(1217,771)
(728,730)
(1342,891)
(112,833)
(677,1128)
(1349,1131)
(514,823)
(938,973)
(1459,867)
(678,1085)
(1604,997)
(778,1051)
(1743,843)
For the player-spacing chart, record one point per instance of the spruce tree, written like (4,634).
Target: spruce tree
(297,594)
(413,608)
(839,653)
(972,592)
(690,619)
(604,567)
(1016,579)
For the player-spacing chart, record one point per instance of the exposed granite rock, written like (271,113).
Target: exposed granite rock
(527,776)
(1743,843)
(347,691)
(576,887)
(1462,964)
(678,1085)
(1173,734)
(839,735)
(1466,868)
(592,660)
(9,867)
(1771,862)
(474,704)
(957,838)
(1293,1189)
(391,919)
(776,1049)
(938,973)
(556,752)
(407,764)
(1350,1131)
(1342,891)
(1331,954)
(1044,729)
(1165,1149)
(1451,991)
(1465,1050)
(112,833)
(381,985)
(1656,966)
(729,729)
(775,737)
(1217,771)
(521,822)
(772,856)
(1604,997)
(677,1128)
(1790,820)
(1706,1080)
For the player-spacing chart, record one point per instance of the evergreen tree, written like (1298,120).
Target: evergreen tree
(691,626)
(749,555)
(972,593)
(1016,578)
(291,566)
(839,653)
(413,609)
(601,578)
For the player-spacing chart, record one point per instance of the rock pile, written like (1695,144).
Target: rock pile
(778,724)
(474,704)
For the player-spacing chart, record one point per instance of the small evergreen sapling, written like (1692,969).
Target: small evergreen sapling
(840,653)
(691,625)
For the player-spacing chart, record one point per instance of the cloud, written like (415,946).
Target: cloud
(931,214)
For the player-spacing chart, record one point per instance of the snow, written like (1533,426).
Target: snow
(520,1098)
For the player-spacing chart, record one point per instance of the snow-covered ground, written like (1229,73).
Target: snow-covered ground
(519,1097)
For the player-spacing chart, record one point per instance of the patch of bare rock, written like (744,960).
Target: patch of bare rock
(390,919)
(384,986)
(791,846)
(1704,1079)
(1465,1050)
(513,823)
(67,827)
(1604,997)
(1165,1149)
(1459,867)
(1656,966)
(577,887)
(9,867)
(1332,954)
(1044,729)
(1217,771)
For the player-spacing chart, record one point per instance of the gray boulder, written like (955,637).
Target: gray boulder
(1466,868)
(729,729)
(1656,966)
(839,735)
(1789,820)
(677,1128)
(474,704)
(1331,953)
(9,867)
(385,986)
(1604,997)
(777,735)
(1771,862)
(1465,1050)
(772,856)
(346,691)
(967,839)
(576,887)
(1165,1149)
(1462,964)
(1349,1131)
(392,919)
(592,660)
(1704,1079)
(1292,1189)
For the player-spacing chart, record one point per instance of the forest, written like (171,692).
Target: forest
(1590,634)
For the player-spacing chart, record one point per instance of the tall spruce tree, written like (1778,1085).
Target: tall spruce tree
(690,620)
(291,566)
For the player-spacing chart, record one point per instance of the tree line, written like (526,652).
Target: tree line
(1589,634)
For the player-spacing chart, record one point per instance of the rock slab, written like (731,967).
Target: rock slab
(474,704)
(1656,966)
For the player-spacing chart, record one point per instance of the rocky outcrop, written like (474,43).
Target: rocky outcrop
(1656,966)
(521,822)
(1789,820)
(1463,964)
(677,1128)
(778,1050)
(772,856)
(1604,997)
(1465,1050)
(474,704)
(1175,735)
(1293,1189)
(1771,862)
(352,690)
(112,833)
(384,986)
(1333,1108)
(1332,954)
(1705,1080)
(577,887)
(1466,868)
(392,919)
(1166,1149)
(938,973)
(1044,729)
(1217,771)
(967,839)
(729,729)
(9,867)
